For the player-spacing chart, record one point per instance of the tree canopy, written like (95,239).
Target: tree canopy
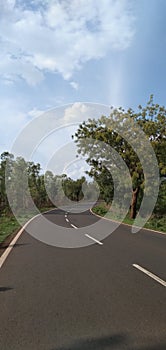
(128,133)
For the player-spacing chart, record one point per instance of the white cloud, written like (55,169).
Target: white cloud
(74,85)
(14,68)
(35,112)
(60,36)
(77,112)
(13,119)
(7,81)
(46,135)
(6,6)
(77,169)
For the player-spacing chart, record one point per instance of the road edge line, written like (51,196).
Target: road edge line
(7,251)
(123,223)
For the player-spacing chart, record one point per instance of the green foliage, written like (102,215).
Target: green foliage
(100,210)
(6,159)
(73,189)
(24,180)
(152,120)
(154,223)
(8,225)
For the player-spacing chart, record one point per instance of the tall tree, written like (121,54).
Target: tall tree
(5,173)
(152,121)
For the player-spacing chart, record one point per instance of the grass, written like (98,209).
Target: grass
(154,223)
(10,225)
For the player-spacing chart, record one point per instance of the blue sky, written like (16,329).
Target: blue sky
(54,53)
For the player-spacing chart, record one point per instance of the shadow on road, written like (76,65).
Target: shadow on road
(14,245)
(155,347)
(114,342)
(96,344)
(5,289)
(17,245)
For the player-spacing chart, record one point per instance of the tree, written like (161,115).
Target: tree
(73,188)
(17,185)
(104,181)
(33,173)
(5,173)
(52,186)
(120,132)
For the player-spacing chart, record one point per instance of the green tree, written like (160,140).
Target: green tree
(33,171)
(73,188)
(5,173)
(152,121)
(17,185)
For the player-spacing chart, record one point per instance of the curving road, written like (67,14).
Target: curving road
(107,294)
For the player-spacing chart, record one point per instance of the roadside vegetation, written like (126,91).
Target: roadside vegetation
(105,165)
(154,223)
(31,191)
(9,224)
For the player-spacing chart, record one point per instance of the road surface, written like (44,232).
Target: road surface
(110,294)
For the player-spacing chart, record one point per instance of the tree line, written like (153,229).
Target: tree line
(49,189)
(19,177)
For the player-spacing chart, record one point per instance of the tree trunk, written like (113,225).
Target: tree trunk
(133,211)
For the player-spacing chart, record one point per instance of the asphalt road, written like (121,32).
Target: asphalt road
(89,298)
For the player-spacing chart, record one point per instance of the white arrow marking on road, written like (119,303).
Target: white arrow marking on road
(150,274)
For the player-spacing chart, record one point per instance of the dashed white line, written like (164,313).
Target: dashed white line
(94,239)
(150,274)
(90,237)
(74,226)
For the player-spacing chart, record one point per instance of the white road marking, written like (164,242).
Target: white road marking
(122,223)
(4,256)
(94,239)
(150,274)
(67,220)
(10,247)
(74,226)
(65,215)
(13,242)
